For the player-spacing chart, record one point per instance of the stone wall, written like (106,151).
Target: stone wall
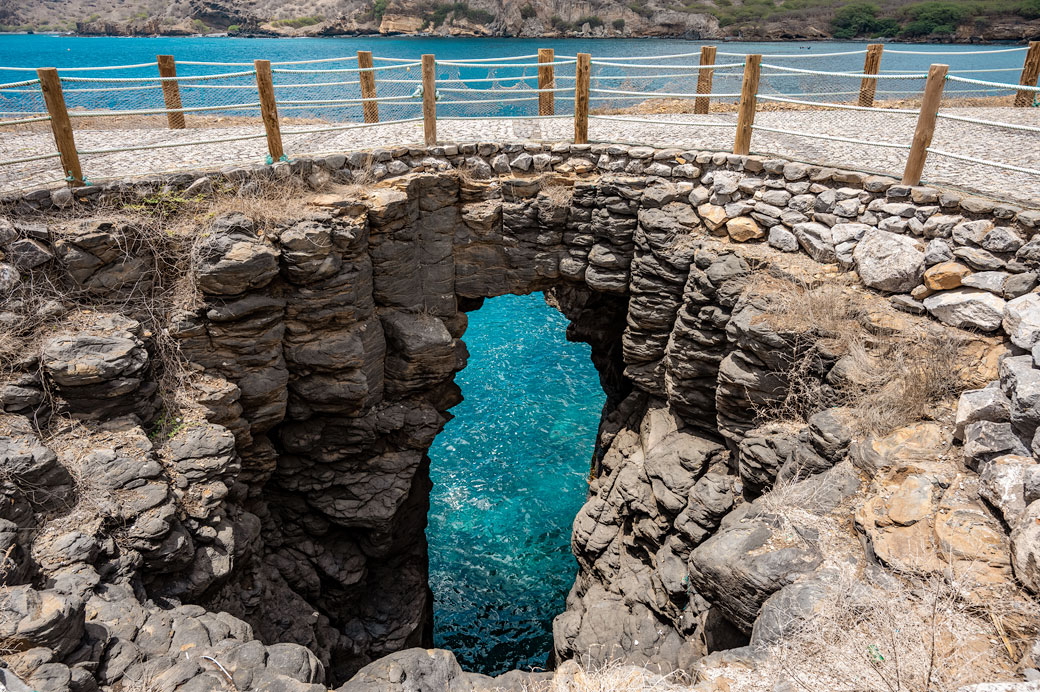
(293,494)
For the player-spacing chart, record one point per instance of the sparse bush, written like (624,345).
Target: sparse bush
(856,19)
(299,22)
(619,24)
(886,380)
(528,12)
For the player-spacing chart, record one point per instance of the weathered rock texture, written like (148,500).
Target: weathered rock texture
(288,501)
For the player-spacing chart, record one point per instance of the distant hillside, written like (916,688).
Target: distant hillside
(953,20)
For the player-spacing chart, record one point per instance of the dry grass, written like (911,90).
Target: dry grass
(890,377)
(612,676)
(557,195)
(164,227)
(919,636)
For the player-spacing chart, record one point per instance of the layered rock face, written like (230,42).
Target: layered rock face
(285,499)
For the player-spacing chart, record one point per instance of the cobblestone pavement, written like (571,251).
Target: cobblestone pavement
(1014,147)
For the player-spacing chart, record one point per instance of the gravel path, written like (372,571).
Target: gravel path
(998,144)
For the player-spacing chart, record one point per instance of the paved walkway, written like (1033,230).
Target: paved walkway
(1015,147)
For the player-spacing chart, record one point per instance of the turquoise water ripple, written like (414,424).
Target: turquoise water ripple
(509,477)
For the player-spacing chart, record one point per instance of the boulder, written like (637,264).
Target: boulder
(888,261)
(1021,320)
(967,308)
(1025,547)
(743,229)
(945,275)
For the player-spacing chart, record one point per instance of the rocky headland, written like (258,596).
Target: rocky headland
(816,467)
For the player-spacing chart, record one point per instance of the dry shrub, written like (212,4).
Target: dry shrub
(918,636)
(362,179)
(887,377)
(163,225)
(611,676)
(558,195)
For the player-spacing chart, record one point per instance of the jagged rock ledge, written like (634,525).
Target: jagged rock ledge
(288,503)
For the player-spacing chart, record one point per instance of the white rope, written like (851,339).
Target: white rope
(490,62)
(459,63)
(647,76)
(27,159)
(376,57)
(512,100)
(466,80)
(84,69)
(832,138)
(664,67)
(857,75)
(161,111)
(12,85)
(126,88)
(796,55)
(995,85)
(347,69)
(661,122)
(993,123)
(229,75)
(465,118)
(8,114)
(662,94)
(954,52)
(171,145)
(984,162)
(835,93)
(353,126)
(313,84)
(283,62)
(992,69)
(842,106)
(25,121)
(657,57)
(506,89)
(376,99)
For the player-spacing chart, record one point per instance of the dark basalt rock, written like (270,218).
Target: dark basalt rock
(277,526)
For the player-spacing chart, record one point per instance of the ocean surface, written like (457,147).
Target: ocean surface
(509,476)
(318,84)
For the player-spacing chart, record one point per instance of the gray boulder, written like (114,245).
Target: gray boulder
(1022,320)
(967,308)
(888,261)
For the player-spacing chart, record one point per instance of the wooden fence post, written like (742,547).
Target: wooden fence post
(429,99)
(582,73)
(269,109)
(871,65)
(704,78)
(170,91)
(50,85)
(368,86)
(748,103)
(930,101)
(546,80)
(1030,72)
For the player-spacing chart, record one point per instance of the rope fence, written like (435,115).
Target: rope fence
(306,102)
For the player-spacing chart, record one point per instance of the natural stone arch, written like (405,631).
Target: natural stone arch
(328,346)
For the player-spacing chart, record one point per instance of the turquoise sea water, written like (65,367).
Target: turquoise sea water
(509,475)
(31,51)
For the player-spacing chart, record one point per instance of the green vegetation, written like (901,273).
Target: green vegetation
(379,9)
(299,22)
(860,19)
(619,24)
(640,8)
(528,11)
(234,28)
(863,18)
(199,25)
(592,20)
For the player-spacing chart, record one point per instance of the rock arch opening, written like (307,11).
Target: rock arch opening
(510,472)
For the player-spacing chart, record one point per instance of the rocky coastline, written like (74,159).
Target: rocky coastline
(215,445)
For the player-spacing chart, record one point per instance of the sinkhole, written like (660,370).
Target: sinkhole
(509,475)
